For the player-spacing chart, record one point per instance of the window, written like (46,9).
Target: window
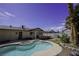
(16,33)
(31,33)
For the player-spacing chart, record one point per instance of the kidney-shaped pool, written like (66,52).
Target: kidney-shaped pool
(24,50)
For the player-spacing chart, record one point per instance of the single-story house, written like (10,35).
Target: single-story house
(18,33)
(12,33)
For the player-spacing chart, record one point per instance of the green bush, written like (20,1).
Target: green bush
(64,38)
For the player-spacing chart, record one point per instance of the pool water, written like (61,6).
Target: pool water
(16,50)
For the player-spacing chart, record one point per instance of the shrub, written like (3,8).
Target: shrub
(64,38)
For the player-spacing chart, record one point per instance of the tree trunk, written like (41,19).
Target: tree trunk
(73,25)
(74,31)
(72,36)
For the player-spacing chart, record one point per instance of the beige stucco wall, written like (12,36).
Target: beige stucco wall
(8,35)
(14,34)
(25,34)
(36,32)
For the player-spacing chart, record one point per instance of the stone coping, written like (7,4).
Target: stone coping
(53,51)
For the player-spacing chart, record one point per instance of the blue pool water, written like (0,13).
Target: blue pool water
(16,50)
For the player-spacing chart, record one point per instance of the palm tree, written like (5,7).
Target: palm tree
(71,22)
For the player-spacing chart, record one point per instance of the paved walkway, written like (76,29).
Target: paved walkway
(65,52)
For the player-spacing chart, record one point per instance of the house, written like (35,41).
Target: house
(36,32)
(10,33)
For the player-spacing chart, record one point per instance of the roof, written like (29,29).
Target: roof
(4,27)
(36,29)
(12,28)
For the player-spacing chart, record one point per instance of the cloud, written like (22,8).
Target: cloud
(9,14)
(63,23)
(6,14)
(2,14)
(58,28)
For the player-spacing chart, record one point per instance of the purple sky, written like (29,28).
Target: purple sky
(45,16)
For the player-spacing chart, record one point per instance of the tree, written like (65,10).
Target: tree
(71,24)
(64,38)
(77,21)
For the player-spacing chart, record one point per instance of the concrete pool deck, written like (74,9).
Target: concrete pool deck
(53,51)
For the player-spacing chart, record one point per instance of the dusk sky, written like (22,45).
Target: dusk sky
(46,16)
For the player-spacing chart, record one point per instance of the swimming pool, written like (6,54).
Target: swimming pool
(18,50)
